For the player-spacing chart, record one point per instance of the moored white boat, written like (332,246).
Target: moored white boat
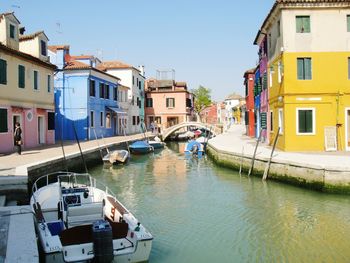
(82,222)
(116,156)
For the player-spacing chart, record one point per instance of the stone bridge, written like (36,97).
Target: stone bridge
(209,127)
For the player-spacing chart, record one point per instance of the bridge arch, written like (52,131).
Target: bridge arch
(167,132)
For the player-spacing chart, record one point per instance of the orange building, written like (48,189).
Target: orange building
(168,103)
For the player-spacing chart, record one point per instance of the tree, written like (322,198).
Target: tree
(202,99)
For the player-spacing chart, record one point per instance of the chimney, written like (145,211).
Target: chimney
(142,70)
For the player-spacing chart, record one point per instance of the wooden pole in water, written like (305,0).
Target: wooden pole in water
(253,160)
(240,167)
(267,168)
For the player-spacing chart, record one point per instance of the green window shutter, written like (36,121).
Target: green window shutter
(174,102)
(308,121)
(307,68)
(21,76)
(300,65)
(348,22)
(167,103)
(299,24)
(3,120)
(306,24)
(3,71)
(35,80)
(48,83)
(263,122)
(302,121)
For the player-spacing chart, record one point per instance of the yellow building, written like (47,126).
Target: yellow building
(309,74)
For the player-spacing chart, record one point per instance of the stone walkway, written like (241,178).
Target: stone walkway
(235,140)
(15,165)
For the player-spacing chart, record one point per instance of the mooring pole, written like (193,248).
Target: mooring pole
(267,168)
(256,148)
(240,167)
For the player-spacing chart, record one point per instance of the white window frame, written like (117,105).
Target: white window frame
(271,80)
(110,120)
(279,72)
(280,120)
(313,122)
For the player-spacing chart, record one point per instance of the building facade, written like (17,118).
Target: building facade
(168,103)
(134,79)
(249,97)
(209,114)
(86,98)
(308,65)
(26,86)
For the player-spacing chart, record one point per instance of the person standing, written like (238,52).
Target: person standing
(18,138)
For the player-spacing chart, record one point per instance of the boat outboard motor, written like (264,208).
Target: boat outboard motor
(103,241)
(195,149)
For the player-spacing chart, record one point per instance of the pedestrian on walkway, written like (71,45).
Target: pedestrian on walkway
(17,136)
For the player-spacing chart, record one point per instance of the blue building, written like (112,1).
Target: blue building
(257,105)
(85,97)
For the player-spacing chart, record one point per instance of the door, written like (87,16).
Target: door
(17,118)
(41,130)
(347,121)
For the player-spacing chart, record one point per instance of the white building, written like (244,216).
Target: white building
(231,102)
(134,79)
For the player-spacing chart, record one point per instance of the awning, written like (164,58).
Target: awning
(116,110)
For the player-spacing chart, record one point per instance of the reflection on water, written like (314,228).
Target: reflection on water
(199,212)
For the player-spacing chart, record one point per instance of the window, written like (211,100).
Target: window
(48,83)
(36,86)
(51,121)
(303,24)
(3,71)
(43,48)
(101,118)
(137,82)
(133,120)
(3,120)
(271,120)
(305,121)
(138,120)
(348,22)
(133,80)
(12,31)
(21,76)
(170,102)
(149,102)
(188,103)
(108,120)
(304,68)
(92,124)
(115,93)
(102,90)
(107,92)
(280,120)
(140,84)
(278,28)
(92,86)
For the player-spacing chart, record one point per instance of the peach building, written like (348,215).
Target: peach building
(168,103)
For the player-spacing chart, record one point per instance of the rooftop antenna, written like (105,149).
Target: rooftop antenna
(100,54)
(58,24)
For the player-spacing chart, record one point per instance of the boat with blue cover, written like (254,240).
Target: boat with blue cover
(141,147)
(194,148)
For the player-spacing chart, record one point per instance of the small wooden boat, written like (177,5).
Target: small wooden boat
(141,147)
(115,157)
(194,148)
(80,220)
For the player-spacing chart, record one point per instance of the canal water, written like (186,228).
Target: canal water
(199,212)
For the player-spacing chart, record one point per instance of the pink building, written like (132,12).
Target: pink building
(209,114)
(26,86)
(168,103)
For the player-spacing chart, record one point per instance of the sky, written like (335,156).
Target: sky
(206,42)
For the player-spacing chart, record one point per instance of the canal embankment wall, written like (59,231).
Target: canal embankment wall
(18,173)
(326,172)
